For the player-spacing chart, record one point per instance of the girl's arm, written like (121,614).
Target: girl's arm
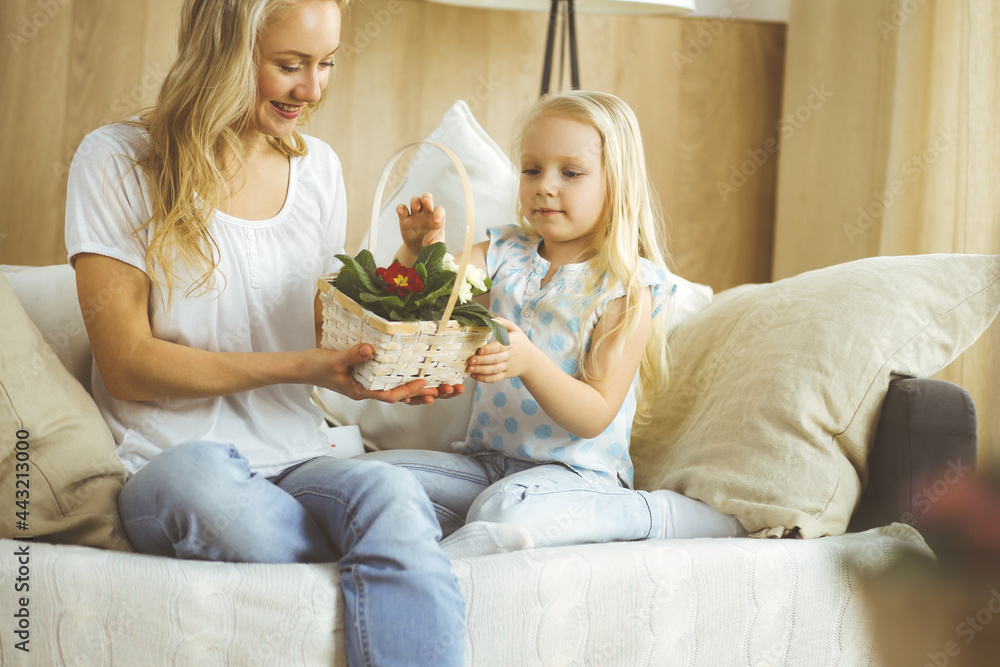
(137,366)
(582,407)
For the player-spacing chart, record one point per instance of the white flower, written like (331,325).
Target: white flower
(477,277)
(448,262)
(465,292)
(474,277)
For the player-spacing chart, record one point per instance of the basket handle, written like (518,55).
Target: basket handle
(470,217)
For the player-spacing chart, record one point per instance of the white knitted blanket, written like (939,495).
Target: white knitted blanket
(711,602)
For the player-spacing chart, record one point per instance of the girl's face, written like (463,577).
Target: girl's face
(563,191)
(296,57)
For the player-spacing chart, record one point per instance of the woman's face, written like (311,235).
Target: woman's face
(296,57)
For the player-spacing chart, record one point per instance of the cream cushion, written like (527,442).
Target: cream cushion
(67,454)
(776,388)
(48,295)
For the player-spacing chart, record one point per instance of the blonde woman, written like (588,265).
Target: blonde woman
(197,232)
(585,295)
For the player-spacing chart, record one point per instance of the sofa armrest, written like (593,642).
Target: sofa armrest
(925,441)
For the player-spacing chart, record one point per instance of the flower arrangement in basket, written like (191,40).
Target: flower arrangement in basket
(422,321)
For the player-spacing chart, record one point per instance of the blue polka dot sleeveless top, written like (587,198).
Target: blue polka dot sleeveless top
(505,418)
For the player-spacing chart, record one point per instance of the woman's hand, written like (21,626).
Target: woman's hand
(421,224)
(494,361)
(335,375)
(443,391)
(331,369)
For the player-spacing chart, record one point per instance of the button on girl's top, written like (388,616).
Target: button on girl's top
(505,417)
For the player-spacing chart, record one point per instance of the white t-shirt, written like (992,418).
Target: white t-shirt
(262,300)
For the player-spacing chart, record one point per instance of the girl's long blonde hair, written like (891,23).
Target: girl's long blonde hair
(633,224)
(206,100)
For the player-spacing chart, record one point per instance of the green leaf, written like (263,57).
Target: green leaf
(348,283)
(476,312)
(431,257)
(401,316)
(364,277)
(392,300)
(367,260)
(499,332)
(436,291)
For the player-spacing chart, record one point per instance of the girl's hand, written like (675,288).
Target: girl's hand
(494,362)
(421,224)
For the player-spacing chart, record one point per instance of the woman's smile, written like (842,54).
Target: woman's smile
(288,111)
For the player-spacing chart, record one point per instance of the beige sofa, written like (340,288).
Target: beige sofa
(685,602)
(786,401)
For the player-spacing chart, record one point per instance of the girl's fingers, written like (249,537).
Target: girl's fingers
(493,347)
(487,358)
(487,377)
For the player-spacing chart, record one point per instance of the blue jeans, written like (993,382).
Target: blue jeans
(200,500)
(551,501)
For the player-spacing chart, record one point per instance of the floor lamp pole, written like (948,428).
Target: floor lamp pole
(554,12)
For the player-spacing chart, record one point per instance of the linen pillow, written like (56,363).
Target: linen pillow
(49,422)
(776,388)
(491,178)
(48,296)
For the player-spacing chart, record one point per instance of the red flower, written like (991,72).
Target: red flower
(400,280)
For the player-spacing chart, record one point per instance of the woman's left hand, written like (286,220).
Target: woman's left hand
(443,391)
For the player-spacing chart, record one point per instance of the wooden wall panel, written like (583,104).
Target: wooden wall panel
(707,93)
(92,62)
(35,84)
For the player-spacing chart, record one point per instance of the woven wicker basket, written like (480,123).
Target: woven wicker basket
(404,351)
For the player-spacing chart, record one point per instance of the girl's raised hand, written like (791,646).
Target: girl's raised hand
(421,224)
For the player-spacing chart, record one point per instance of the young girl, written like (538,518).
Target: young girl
(580,286)
(200,229)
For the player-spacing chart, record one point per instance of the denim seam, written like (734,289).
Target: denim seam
(650,510)
(453,516)
(159,525)
(447,472)
(364,640)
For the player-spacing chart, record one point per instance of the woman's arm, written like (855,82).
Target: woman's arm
(137,366)
(582,407)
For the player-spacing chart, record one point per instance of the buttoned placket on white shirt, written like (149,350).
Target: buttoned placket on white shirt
(252,257)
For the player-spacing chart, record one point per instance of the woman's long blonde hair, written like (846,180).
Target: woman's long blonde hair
(206,100)
(633,224)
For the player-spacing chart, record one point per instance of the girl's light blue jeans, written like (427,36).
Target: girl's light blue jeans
(200,500)
(551,501)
